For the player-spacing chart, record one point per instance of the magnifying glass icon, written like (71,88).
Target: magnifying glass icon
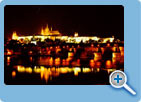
(118,79)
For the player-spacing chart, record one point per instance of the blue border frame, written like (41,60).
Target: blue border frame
(81,93)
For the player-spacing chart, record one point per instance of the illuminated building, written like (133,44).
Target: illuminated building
(48,33)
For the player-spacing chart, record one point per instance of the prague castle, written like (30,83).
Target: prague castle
(49,33)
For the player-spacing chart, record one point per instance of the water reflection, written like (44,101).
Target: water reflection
(64,71)
(46,73)
(61,75)
(13,74)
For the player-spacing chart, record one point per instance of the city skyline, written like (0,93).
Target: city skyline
(62,44)
(102,21)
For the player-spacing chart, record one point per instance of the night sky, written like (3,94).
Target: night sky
(90,20)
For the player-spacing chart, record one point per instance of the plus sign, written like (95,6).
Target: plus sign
(117,78)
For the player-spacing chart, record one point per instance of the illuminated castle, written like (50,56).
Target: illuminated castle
(48,33)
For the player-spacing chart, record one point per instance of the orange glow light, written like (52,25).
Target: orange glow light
(9,52)
(14,36)
(13,73)
(108,64)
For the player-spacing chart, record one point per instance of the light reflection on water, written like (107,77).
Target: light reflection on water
(48,70)
(46,74)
